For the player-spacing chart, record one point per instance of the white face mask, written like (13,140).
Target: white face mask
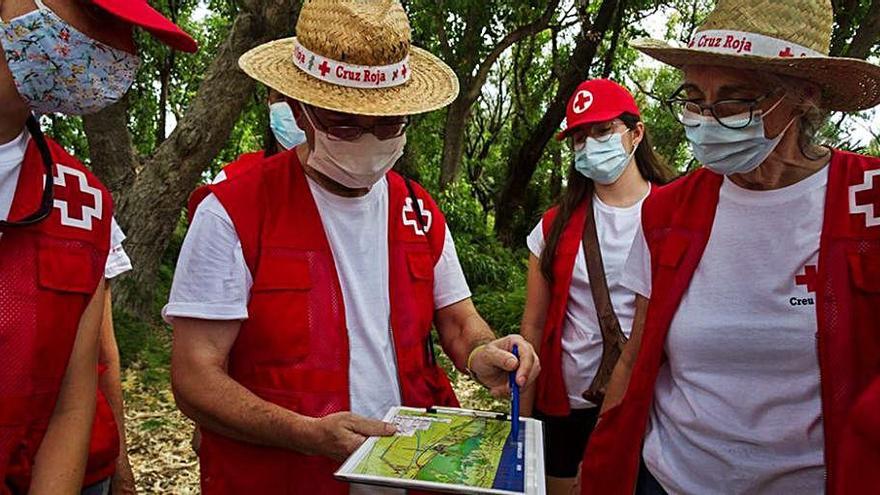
(603,161)
(731,151)
(355,164)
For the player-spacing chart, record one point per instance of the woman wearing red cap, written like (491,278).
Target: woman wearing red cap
(598,215)
(73,57)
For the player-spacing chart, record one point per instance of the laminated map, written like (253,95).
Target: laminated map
(453,450)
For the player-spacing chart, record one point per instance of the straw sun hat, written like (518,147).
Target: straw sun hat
(354,56)
(787,37)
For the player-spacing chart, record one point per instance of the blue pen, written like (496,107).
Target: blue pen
(514,401)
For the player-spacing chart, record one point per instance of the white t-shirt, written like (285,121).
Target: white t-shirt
(581,335)
(11,158)
(213,282)
(737,405)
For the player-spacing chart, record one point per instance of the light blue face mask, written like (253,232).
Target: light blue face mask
(603,161)
(284,127)
(59,69)
(731,151)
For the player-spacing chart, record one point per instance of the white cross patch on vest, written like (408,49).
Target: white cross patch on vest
(409,217)
(865,198)
(77,201)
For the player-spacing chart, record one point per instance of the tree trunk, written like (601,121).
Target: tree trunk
(453,139)
(111,148)
(473,74)
(523,162)
(150,208)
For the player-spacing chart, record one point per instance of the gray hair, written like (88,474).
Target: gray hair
(809,100)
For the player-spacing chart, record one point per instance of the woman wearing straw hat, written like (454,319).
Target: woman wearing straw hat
(581,242)
(58,244)
(307,286)
(756,366)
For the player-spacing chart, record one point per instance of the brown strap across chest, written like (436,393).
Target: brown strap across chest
(613,338)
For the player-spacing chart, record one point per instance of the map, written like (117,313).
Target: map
(448,447)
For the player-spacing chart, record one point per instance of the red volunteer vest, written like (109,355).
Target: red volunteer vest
(49,273)
(677,222)
(241,164)
(293,348)
(552,394)
(104,445)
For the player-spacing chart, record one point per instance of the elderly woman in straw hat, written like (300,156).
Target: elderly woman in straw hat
(754,365)
(308,284)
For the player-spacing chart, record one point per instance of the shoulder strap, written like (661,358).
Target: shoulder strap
(613,338)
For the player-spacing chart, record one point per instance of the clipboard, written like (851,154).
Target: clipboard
(452,450)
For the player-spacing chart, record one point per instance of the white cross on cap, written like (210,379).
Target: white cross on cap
(582,101)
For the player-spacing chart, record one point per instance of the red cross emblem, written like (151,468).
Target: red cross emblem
(787,53)
(809,278)
(76,200)
(324,68)
(409,217)
(403,71)
(864,198)
(582,101)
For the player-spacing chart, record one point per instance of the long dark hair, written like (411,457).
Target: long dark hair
(653,168)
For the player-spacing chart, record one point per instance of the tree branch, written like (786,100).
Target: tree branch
(608,63)
(530,29)
(867,33)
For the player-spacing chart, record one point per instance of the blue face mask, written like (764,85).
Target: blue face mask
(603,161)
(59,69)
(284,127)
(728,151)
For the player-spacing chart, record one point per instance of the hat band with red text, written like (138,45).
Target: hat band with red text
(350,75)
(728,42)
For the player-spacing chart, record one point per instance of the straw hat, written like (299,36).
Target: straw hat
(787,37)
(354,56)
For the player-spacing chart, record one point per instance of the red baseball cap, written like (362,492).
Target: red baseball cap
(597,100)
(139,13)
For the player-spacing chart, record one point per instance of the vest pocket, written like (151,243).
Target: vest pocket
(282,273)
(55,263)
(865,269)
(421,266)
(278,329)
(674,248)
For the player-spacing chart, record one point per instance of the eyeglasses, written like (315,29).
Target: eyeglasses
(382,131)
(599,132)
(733,113)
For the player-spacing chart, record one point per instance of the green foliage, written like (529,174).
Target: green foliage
(495,273)
(143,346)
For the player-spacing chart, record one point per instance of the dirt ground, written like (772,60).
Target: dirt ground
(159,435)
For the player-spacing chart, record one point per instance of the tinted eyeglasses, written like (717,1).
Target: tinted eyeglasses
(382,130)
